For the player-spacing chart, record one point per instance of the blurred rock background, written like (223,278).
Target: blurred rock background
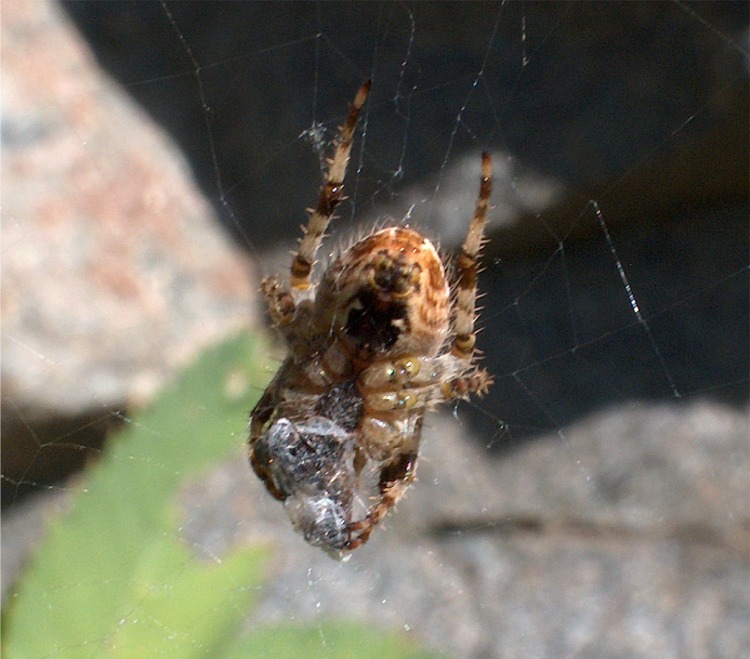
(597,503)
(114,273)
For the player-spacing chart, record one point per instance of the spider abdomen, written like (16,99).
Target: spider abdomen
(387,296)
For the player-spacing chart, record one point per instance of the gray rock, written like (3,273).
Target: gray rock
(629,535)
(114,272)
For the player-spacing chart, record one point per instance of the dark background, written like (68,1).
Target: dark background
(640,106)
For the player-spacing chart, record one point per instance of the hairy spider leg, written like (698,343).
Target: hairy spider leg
(331,195)
(467,266)
(398,474)
(395,479)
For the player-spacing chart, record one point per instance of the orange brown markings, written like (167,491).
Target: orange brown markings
(434,303)
(361,249)
(393,240)
(347,132)
(432,307)
(397,277)
(301,269)
(436,273)
(467,267)
(431,318)
(331,195)
(436,296)
(408,239)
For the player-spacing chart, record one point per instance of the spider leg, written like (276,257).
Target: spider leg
(466,291)
(331,195)
(395,478)
(293,321)
(281,306)
(477,382)
(259,417)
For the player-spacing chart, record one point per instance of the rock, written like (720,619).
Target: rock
(627,535)
(115,271)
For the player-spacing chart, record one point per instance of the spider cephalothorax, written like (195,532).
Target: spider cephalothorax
(382,339)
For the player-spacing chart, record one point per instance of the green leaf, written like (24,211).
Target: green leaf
(186,609)
(328,640)
(113,577)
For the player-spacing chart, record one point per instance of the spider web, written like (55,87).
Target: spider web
(615,300)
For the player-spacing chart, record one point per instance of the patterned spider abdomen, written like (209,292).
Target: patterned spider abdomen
(386,296)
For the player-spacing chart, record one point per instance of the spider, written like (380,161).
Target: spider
(381,339)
